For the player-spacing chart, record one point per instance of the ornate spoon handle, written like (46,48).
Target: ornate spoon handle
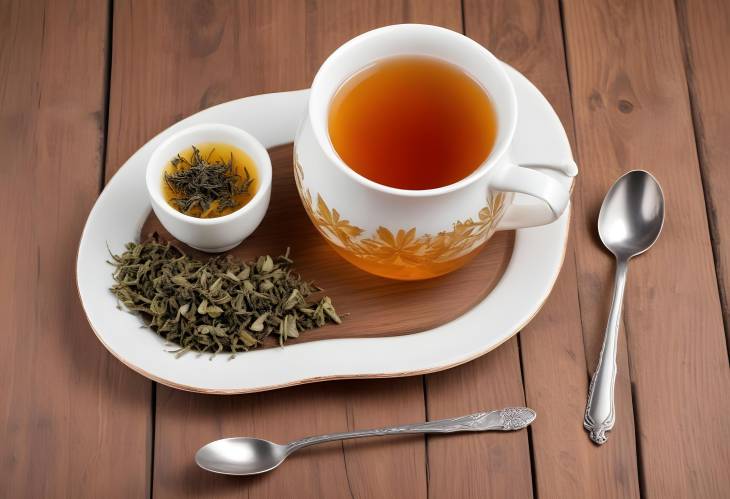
(512,418)
(600,415)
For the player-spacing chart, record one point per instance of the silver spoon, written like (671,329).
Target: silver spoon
(250,456)
(629,223)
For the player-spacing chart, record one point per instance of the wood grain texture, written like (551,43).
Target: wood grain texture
(528,35)
(476,465)
(374,306)
(76,423)
(68,409)
(488,464)
(631,109)
(705,28)
(365,468)
(210,52)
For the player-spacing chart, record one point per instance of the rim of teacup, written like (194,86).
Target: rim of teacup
(324,87)
(208,132)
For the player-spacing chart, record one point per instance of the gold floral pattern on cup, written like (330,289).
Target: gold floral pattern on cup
(402,253)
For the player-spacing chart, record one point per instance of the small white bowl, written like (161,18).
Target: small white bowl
(212,235)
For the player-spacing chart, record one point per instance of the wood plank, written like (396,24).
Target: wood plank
(631,109)
(200,57)
(487,464)
(528,35)
(705,28)
(68,409)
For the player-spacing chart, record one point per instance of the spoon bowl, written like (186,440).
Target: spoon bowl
(632,214)
(240,456)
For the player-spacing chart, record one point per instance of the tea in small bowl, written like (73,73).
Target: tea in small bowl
(210,185)
(209,180)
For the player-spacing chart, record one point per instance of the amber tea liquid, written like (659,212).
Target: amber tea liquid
(412,123)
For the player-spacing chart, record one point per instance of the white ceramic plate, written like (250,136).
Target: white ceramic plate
(123,207)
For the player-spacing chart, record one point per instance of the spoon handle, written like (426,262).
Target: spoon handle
(600,414)
(512,418)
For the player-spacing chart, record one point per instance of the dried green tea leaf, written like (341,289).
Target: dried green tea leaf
(258,324)
(295,298)
(214,311)
(329,309)
(203,307)
(247,339)
(218,305)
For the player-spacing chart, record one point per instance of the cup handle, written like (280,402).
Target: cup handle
(551,197)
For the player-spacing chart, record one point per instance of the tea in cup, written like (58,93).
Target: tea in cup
(402,160)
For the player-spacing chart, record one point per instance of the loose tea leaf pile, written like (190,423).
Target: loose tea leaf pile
(222,305)
(200,183)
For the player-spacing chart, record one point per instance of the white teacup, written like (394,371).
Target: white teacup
(417,234)
(219,234)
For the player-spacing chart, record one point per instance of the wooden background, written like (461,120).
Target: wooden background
(637,84)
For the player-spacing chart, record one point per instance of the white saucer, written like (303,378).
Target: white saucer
(123,207)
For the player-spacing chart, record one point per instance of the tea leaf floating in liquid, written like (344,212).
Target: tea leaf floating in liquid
(222,305)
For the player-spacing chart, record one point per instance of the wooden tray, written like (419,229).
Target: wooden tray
(373,306)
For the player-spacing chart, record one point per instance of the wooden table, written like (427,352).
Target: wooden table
(637,84)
